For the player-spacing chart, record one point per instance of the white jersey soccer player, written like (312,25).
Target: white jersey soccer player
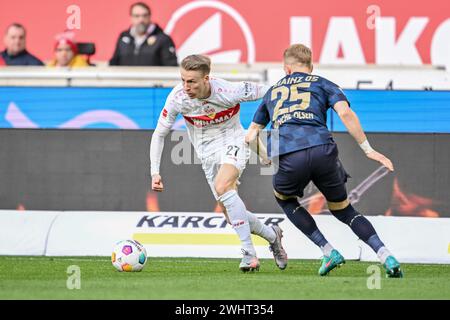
(210,108)
(213,124)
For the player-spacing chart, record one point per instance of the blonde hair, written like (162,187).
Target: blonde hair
(197,62)
(298,53)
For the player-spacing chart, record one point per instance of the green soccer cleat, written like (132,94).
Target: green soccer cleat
(392,267)
(329,263)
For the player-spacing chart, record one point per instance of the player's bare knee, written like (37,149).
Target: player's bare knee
(223,187)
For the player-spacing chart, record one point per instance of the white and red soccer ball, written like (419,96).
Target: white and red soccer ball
(129,256)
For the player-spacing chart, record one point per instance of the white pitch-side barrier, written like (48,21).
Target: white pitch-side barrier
(192,234)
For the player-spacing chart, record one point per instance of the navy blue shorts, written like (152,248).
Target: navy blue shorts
(319,164)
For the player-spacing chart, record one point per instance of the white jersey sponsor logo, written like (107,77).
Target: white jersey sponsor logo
(213,118)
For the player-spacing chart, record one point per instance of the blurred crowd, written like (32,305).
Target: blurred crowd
(144,43)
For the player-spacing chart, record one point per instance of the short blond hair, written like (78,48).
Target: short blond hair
(197,62)
(298,53)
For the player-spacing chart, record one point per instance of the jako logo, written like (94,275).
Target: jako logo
(208,38)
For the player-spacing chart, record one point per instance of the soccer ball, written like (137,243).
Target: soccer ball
(129,256)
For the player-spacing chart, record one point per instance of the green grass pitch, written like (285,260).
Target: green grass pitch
(196,278)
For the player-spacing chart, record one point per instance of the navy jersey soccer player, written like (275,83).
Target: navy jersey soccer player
(296,106)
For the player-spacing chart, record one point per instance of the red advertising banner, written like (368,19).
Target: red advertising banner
(339,32)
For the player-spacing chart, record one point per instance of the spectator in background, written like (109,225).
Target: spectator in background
(16,53)
(145,43)
(66,54)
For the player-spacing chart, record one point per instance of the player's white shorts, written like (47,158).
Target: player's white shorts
(235,153)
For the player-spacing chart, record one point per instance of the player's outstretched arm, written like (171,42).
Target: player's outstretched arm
(253,140)
(252,132)
(157,184)
(166,119)
(156,149)
(351,122)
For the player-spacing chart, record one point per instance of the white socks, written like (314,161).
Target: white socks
(382,254)
(260,229)
(326,249)
(239,219)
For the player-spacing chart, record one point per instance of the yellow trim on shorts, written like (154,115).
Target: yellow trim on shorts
(282,196)
(338,205)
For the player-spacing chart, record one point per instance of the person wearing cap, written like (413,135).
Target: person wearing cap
(66,54)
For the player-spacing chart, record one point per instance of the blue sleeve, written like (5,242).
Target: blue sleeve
(334,94)
(262,115)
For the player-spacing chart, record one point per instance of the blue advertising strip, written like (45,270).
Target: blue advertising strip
(130,108)
(139,108)
(400,111)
